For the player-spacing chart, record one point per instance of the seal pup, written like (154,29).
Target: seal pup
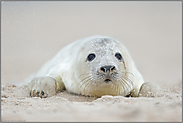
(92,66)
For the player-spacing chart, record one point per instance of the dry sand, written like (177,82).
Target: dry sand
(16,105)
(33,32)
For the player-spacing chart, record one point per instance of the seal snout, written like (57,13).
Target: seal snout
(107,70)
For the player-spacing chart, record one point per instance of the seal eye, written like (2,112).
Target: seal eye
(91,57)
(118,56)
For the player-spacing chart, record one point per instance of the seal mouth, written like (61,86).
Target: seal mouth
(107,80)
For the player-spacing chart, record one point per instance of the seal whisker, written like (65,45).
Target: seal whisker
(81,83)
(86,78)
(118,92)
(126,84)
(113,84)
(124,88)
(119,88)
(116,77)
(91,79)
(81,80)
(85,82)
(84,74)
(115,88)
(126,73)
(88,85)
(128,79)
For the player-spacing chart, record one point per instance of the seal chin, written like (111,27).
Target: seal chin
(107,80)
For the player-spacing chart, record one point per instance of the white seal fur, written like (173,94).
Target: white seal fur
(109,70)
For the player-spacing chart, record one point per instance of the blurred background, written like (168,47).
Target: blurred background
(33,32)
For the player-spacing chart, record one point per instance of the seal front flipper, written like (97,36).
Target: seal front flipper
(45,86)
(149,89)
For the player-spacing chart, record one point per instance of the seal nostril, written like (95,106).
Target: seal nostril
(107,69)
(113,68)
(102,69)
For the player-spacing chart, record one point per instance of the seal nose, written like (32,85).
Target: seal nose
(107,69)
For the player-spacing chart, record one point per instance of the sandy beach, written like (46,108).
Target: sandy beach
(33,32)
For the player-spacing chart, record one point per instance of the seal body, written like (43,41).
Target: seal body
(93,66)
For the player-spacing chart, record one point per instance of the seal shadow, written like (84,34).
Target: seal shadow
(22,91)
(78,97)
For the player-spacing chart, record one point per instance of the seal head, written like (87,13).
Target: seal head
(101,68)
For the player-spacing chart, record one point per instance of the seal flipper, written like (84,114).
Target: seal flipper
(45,86)
(149,89)
(59,84)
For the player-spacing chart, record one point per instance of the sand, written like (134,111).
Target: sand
(33,32)
(16,105)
